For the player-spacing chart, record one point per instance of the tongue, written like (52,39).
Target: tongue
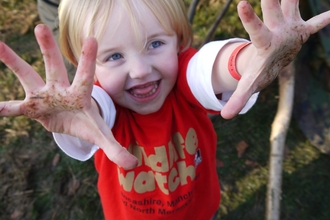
(143,90)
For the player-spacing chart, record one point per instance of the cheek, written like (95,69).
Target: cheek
(170,67)
(111,83)
(113,89)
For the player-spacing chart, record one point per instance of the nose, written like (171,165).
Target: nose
(140,67)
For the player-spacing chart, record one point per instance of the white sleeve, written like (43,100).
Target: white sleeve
(83,150)
(199,77)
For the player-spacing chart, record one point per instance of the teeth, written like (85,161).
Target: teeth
(145,95)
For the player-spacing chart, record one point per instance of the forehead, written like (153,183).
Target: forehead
(135,15)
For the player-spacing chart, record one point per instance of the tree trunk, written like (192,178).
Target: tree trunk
(277,140)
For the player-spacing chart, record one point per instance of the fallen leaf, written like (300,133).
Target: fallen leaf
(241,148)
(251,163)
(15,214)
(73,185)
(56,159)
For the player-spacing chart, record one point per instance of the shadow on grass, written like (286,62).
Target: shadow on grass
(306,176)
(305,196)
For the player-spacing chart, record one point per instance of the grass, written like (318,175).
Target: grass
(305,169)
(39,182)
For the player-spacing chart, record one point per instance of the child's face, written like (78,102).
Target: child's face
(137,72)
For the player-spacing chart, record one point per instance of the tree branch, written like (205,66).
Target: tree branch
(192,10)
(217,22)
(277,139)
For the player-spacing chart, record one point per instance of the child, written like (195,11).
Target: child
(145,120)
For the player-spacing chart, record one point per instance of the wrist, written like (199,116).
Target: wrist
(234,66)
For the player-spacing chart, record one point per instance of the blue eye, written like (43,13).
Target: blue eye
(115,56)
(156,44)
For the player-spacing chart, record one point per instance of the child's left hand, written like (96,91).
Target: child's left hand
(277,41)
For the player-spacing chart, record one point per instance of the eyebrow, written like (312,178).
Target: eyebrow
(105,51)
(154,35)
(159,34)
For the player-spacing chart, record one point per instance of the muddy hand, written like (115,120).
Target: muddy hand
(276,42)
(57,105)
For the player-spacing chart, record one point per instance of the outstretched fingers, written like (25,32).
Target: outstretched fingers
(54,63)
(120,156)
(11,108)
(290,9)
(104,138)
(84,78)
(283,31)
(259,34)
(234,105)
(238,99)
(29,79)
(272,12)
(318,22)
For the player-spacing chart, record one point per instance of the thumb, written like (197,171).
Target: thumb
(235,104)
(120,156)
(116,153)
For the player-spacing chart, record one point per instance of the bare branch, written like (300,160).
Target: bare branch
(192,10)
(277,139)
(217,22)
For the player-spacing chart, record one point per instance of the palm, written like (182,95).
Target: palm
(57,105)
(277,40)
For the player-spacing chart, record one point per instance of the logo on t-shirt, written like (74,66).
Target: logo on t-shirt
(165,167)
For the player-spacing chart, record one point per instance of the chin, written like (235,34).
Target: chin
(148,109)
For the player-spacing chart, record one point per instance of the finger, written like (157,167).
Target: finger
(235,104)
(258,32)
(101,135)
(54,63)
(120,156)
(114,151)
(29,79)
(318,22)
(272,13)
(86,67)
(290,9)
(11,108)
(245,88)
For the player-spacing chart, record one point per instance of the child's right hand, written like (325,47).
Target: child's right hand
(59,106)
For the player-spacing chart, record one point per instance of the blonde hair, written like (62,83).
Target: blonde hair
(77,15)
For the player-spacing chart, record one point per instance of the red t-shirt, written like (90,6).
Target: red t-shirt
(176,176)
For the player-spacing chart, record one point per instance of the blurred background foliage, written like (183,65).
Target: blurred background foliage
(37,181)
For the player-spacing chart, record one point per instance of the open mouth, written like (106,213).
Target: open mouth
(144,91)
